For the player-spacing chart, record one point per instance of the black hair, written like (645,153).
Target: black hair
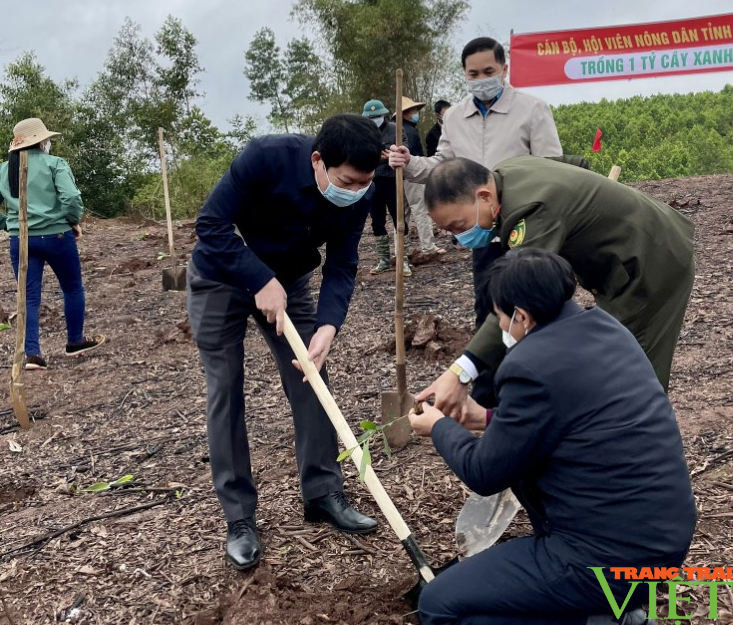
(351,139)
(14,170)
(481,44)
(455,181)
(440,105)
(536,280)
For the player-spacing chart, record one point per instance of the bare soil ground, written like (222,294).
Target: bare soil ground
(153,552)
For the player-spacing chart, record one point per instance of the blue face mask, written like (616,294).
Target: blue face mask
(378,120)
(477,236)
(338,196)
(415,118)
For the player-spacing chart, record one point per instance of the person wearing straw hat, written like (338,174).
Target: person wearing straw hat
(385,188)
(54,211)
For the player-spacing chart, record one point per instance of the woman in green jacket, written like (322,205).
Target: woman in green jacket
(54,211)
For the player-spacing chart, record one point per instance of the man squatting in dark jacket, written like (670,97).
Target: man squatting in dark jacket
(587,439)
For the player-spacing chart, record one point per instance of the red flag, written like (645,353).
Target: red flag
(597,141)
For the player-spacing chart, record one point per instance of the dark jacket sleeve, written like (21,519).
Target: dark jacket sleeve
(339,269)
(432,139)
(414,143)
(523,432)
(221,249)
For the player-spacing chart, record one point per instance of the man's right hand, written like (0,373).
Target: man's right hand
(450,394)
(473,416)
(398,156)
(272,300)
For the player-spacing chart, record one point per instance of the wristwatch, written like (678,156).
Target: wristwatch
(463,376)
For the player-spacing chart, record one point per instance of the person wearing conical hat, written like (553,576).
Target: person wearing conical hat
(54,211)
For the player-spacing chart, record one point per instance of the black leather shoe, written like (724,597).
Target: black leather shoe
(335,509)
(243,544)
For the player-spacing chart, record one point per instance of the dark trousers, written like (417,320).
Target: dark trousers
(218,315)
(385,199)
(62,255)
(519,583)
(483,257)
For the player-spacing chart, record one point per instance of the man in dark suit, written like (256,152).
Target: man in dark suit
(585,436)
(433,137)
(259,235)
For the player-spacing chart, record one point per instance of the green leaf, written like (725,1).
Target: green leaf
(5,326)
(125,479)
(162,255)
(366,461)
(96,488)
(365,436)
(368,425)
(387,448)
(346,453)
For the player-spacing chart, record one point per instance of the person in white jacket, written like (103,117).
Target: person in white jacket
(492,123)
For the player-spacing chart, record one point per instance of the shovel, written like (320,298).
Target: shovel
(396,405)
(174,279)
(486,510)
(483,520)
(17,389)
(398,525)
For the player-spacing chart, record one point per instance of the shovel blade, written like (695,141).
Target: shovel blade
(17,398)
(174,279)
(483,520)
(395,407)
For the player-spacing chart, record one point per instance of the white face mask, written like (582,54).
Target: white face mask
(507,337)
(45,146)
(485,89)
(378,120)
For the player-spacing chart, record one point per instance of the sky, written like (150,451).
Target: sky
(72,38)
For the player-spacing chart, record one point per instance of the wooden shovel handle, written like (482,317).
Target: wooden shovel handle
(399,313)
(166,195)
(343,430)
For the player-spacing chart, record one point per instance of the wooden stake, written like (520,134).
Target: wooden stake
(615,172)
(399,314)
(17,389)
(166,195)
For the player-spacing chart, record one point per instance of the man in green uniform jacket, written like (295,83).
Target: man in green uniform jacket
(632,252)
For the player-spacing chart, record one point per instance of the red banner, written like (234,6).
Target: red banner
(703,44)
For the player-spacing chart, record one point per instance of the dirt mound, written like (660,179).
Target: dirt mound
(263,598)
(431,337)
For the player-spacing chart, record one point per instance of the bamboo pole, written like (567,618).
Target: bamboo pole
(17,389)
